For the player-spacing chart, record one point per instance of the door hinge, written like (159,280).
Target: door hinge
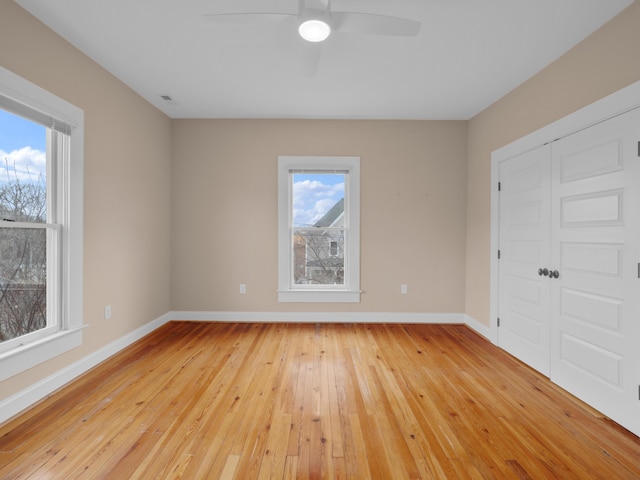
(500,183)
(498,321)
(639,149)
(499,259)
(639,270)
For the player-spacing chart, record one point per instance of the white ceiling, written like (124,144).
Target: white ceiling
(468,54)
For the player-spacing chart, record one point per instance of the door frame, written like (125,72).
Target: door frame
(610,106)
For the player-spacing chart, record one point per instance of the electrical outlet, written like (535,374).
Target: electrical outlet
(107,312)
(243,289)
(403,289)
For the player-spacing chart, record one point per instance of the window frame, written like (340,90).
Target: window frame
(65,123)
(349,292)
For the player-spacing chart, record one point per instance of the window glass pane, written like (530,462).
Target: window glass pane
(23,281)
(318,256)
(318,199)
(318,228)
(23,170)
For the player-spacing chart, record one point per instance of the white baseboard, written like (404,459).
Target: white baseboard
(15,404)
(480,328)
(319,317)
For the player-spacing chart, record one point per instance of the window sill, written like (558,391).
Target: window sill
(29,355)
(319,296)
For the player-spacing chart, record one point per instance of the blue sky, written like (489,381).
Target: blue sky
(314,195)
(23,145)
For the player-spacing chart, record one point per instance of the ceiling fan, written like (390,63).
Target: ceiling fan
(316,20)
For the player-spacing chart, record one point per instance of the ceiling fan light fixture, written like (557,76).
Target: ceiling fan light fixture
(314,30)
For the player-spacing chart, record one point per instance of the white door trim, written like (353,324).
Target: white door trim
(615,104)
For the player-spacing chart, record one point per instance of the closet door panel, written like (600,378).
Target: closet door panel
(594,247)
(524,250)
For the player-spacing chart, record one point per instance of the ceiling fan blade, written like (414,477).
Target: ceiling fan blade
(248,17)
(311,59)
(317,5)
(373,24)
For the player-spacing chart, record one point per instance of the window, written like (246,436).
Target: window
(318,229)
(41,148)
(28,232)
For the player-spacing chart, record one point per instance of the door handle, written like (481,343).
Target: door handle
(545,272)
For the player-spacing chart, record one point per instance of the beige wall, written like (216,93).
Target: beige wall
(413,201)
(605,62)
(126,189)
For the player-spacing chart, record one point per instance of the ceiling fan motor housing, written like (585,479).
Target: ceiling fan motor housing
(315,25)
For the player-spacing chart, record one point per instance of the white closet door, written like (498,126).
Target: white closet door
(523,302)
(595,314)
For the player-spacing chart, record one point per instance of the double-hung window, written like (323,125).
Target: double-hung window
(318,229)
(41,150)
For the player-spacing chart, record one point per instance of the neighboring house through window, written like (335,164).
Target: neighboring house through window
(318,229)
(41,151)
(323,265)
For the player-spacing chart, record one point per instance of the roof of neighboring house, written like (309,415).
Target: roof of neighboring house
(334,213)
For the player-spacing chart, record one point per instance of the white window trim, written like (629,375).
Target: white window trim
(55,110)
(350,291)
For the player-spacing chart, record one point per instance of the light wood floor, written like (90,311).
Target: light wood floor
(247,401)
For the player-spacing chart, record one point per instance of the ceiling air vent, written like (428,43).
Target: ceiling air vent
(167,99)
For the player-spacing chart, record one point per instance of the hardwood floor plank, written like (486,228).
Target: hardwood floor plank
(265,384)
(299,392)
(360,467)
(291,468)
(363,427)
(275,455)
(229,470)
(253,401)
